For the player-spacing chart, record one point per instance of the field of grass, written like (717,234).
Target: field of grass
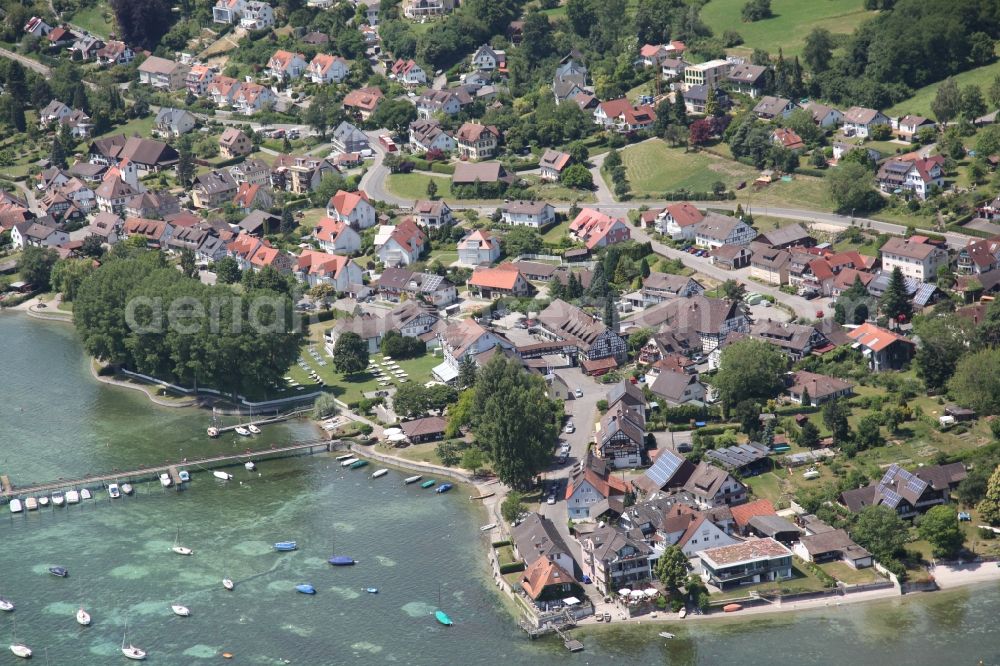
(137,126)
(920,102)
(792,21)
(653,168)
(414,185)
(846,574)
(548,191)
(556,232)
(93,20)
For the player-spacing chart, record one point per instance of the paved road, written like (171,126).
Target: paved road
(373,182)
(602,191)
(27,62)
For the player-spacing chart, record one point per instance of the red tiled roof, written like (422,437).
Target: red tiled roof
(875,338)
(345,202)
(503,276)
(744,512)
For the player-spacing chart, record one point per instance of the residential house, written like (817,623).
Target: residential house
(673,68)
(253,197)
(621,437)
(716,230)
(920,176)
(660,287)
(591,489)
(484,173)
(908,126)
(336,270)
(114,191)
(234,143)
(363,101)
(534,214)
(354,208)
(162,73)
(85,48)
(596,229)
(795,340)
(884,350)
(427,429)
(152,205)
(570,80)
(369,327)
(61,36)
(404,244)
(787,236)
(228,11)
(711,74)
(417,9)
(679,221)
(448,102)
(349,139)
(712,319)
(817,388)
(171,122)
(106,226)
(651,55)
(751,561)
(710,486)
(592,340)
(689,529)
(544,581)
(613,559)
(487,59)
(769,265)
(464,339)
(251,170)
(478,247)
(822,543)
(536,537)
(748,79)
(744,513)
(408,72)
(433,214)
(915,257)
(980,255)
(859,121)
(337,236)
(504,280)
(253,97)
(36,27)
(53,113)
(476,141)
(730,257)
(428,135)
(316,38)
(114,53)
(257,15)
(156,232)
(212,189)
(907,493)
(678,388)
(300,174)
(33,234)
(623,116)
(824,116)
(841,148)
(325,68)
(788,139)
(429,288)
(629,395)
(223,90)
(769,108)
(552,164)
(696,97)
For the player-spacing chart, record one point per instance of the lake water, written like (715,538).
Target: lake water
(58,422)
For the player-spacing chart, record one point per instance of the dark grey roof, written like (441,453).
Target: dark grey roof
(735,457)
(538,537)
(772,525)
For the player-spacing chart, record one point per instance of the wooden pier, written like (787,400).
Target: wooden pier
(100,481)
(569,642)
(259,422)
(4,483)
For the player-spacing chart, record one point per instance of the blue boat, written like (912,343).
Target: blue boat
(443,488)
(443,618)
(305,588)
(284,546)
(342,561)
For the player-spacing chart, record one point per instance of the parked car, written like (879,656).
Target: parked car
(551,499)
(820,314)
(578,393)
(569,427)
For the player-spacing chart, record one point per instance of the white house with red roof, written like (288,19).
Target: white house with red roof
(285,65)
(266,256)
(552,164)
(596,229)
(478,247)
(252,196)
(198,79)
(363,101)
(883,349)
(253,97)
(337,236)
(859,121)
(408,72)
(477,141)
(336,270)
(679,221)
(915,175)
(325,68)
(114,53)
(36,27)
(404,245)
(504,280)
(223,90)
(788,138)
(914,257)
(623,116)
(354,208)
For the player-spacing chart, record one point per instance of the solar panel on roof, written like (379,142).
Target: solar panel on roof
(890,498)
(916,485)
(664,468)
(890,474)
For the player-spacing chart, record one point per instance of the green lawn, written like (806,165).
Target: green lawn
(447,255)
(556,232)
(414,185)
(548,191)
(654,168)
(95,19)
(792,21)
(846,574)
(802,580)
(311,217)
(351,389)
(766,486)
(920,102)
(138,126)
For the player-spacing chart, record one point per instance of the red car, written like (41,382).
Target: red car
(820,314)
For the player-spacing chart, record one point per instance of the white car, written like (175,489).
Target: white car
(551,499)
(578,393)
(569,428)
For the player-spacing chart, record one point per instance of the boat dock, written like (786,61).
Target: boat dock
(100,481)
(569,642)
(4,483)
(258,422)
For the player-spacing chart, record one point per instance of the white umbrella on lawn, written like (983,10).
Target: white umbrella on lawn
(625,591)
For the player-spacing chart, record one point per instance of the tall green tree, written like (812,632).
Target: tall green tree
(350,354)
(854,304)
(943,341)
(671,569)
(808,435)
(976,381)
(750,370)
(940,528)
(947,103)
(989,507)
(818,50)
(835,413)
(35,266)
(895,302)
(227,270)
(881,531)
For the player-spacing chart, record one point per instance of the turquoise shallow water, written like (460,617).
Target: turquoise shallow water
(56,421)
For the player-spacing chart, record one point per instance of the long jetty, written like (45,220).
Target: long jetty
(99,481)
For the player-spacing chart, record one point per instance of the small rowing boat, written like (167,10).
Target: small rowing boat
(666,634)
(379,473)
(249,466)
(285,546)
(242,432)
(347,462)
(412,479)
(428,483)
(127,488)
(479,497)
(305,589)
(228,584)
(344,457)
(443,618)
(342,561)
(16,506)
(358,464)
(371,590)
(60,572)
(443,488)
(224,476)
(85,494)
(43,501)
(253,429)
(487,528)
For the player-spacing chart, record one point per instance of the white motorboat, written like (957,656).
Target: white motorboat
(184,475)
(179,549)
(228,584)
(682,613)
(344,457)
(83,618)
(85,494)
(16,506)
(131,652)
(113,491)
(253,429)
(666,634)
(58,499)
(6,605)
(249,466)
(225,476)
(127,488)
(241,431)
(487,528)
(72,497)
(412,479)
(165,480)
(379,473)
(31,504)
(43,501)
(21,650)
(347,462)
(181,611)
